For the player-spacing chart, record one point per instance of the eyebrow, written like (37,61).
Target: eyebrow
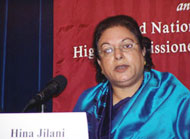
(106,43)
(127,39)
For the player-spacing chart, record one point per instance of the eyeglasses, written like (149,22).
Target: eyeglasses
(125,46)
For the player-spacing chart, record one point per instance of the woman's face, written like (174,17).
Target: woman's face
(121,59)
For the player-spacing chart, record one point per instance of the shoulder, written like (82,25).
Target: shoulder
(167,80)
(164,86)
(88,98)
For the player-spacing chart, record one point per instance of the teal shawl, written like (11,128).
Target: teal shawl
(160,109)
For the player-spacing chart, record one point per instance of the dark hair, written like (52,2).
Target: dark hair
(129,23)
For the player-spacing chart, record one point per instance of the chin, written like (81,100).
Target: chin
(125,78)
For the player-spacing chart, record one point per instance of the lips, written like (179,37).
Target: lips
(121,68)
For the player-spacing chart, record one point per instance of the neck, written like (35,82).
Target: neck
(120,93)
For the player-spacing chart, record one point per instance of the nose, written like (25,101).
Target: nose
(118,54)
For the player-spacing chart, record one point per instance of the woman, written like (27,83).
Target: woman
(132,100)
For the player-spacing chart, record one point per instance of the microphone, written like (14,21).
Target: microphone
(53,88)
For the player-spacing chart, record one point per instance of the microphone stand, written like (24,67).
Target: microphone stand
(42,108)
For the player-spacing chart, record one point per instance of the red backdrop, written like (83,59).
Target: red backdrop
(166,23)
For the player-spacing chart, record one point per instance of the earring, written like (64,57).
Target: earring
(145,62)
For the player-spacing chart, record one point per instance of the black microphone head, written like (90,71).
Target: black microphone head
(54,87)
(61,83)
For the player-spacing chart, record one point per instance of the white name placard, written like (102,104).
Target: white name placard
(71,125)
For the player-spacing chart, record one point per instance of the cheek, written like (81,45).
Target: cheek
(106,65)
(135,59)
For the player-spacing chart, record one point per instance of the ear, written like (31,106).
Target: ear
(144,51)
(100,64)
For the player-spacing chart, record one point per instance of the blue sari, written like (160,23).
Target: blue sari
(160,109)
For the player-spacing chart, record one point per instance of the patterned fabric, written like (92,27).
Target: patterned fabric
(160,109)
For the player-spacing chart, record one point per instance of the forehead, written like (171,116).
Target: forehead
(116,33)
